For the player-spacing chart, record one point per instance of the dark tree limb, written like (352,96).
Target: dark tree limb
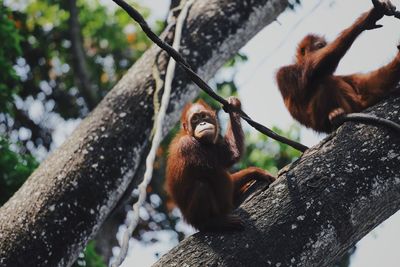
(319,207)
(65,201)
(106,237)
(79,60)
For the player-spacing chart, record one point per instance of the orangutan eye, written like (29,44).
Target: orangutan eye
(319,45)
(195,119)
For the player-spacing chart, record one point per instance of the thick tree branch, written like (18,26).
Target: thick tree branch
(62,205)
(81,68)
(320,206)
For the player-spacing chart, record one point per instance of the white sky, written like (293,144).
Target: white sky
(274,47)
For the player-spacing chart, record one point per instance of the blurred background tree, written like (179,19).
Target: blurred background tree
(58,60)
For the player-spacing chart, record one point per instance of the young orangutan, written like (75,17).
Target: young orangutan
(197,169)
(315,96)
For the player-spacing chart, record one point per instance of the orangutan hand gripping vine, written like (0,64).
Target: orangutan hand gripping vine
(315,96)
(197,169)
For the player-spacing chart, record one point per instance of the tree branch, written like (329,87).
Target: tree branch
(320,206)
(64,202)
(81,68)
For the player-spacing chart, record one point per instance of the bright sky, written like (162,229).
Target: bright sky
(274,47)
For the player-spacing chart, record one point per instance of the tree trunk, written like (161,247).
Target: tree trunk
(79,60)
(319,207)
(64,202)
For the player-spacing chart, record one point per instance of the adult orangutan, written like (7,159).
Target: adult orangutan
(315,96)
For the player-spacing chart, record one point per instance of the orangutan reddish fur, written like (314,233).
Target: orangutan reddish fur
(198,179)
(312,93)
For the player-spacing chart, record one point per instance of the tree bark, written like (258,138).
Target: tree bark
(319,207)
(64,202)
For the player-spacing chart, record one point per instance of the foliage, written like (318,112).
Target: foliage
(15,167)
(268,154)
(236,59)
(111,45)
(90,257)
(10,50)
